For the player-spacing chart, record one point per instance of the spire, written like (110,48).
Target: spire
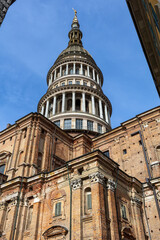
(75,34)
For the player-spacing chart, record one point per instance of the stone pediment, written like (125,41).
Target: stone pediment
(55,231)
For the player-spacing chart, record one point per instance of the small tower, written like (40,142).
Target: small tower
(74,100)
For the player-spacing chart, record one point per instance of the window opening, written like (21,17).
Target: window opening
(58,209)
(90,125)
(79,123)
(67,123)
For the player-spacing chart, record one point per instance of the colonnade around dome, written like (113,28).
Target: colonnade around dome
(79,69)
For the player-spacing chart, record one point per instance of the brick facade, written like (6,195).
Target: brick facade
(46,166)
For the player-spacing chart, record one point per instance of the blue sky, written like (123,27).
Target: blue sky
(35,32)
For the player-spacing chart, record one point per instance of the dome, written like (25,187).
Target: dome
(74,100)
(75,50)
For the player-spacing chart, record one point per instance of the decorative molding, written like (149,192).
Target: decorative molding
(3,205)
(76,184)
(136,200)
(97,178)
(111,185)
(157,120)
(145,125)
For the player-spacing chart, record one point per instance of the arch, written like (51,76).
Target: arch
(69,104)
(87,200)
(55,231)
(97,107)
(4,160)
(87,106)
(78,104)
(77,70)
(59,104)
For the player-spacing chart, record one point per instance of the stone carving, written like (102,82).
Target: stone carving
(145,125)
(136,200)
(158,120)
(97,177)
(111,185)
(3,205)
(76,184)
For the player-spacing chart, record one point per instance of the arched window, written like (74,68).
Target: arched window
(87,106)
(77,70)
(39,162)
(158,152)
(88,200)
(71,71)
(78,104)
(69,104)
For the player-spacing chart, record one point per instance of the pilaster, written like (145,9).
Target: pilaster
(112,210)
(76,209)
(98,206)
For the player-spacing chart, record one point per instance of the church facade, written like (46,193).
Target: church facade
(65,174)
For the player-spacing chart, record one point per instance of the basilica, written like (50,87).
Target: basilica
(66,174)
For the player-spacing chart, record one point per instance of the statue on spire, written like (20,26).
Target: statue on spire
(75,12)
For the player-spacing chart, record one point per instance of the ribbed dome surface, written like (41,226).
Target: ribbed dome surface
(75,50)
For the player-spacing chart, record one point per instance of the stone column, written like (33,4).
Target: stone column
(55,73)
(42,110)
(88,71)
(50,81)
(74,68)
(83,102)
(54,105)
(98,206)
(47,107)
(81,69)
(60,71)
(93,105)
(106,113)
(76,209)
(100,108)
(109,118)
(97,78)
(67,69)
(93,74)
(136,209)
(73,101)
(63,102)
(112,210)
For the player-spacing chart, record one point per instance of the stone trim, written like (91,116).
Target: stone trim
(111,185)
(97,178)
(76,184)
